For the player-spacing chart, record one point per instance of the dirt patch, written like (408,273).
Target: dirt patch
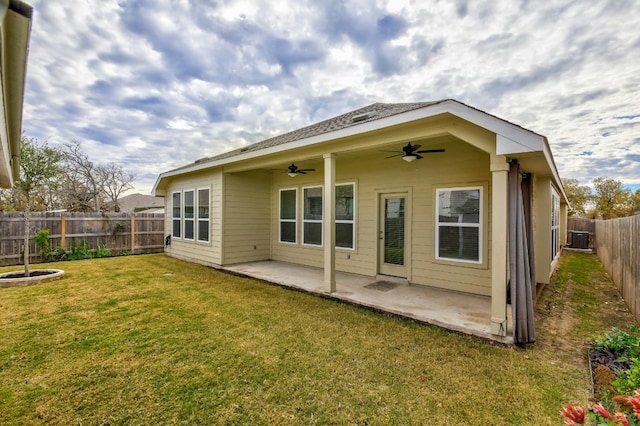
(555,318)
(580,302)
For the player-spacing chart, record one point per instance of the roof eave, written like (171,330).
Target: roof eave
(15,20)
(510,138)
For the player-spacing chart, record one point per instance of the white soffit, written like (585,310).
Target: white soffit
(506,146)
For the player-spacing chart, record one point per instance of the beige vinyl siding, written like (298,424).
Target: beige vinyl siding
(202,252)
(542,228)
(247,216)
(461,165)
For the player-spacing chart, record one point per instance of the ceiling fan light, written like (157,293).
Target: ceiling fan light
(292,174)
(409,158)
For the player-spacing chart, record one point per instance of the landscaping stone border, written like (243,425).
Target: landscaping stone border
(44,275)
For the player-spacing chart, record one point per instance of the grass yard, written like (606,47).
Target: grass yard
(154,340)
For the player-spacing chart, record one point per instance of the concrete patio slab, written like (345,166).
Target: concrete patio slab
(460,312)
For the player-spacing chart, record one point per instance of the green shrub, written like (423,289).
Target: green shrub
(80,251)
(620,341)
(628,381)
(117,228)
(60,254)
(102,251)
(41,238)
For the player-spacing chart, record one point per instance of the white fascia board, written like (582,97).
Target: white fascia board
(6,174)
(16,24)
(554,170)
(511,139)
(156,191)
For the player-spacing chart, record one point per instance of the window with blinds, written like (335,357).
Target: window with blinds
(288,222)
(312,216)
(459,224)
(176,215)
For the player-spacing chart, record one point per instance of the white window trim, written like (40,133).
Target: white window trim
(179,218)
(320,221)
(184,216)
(280,220)
(199,219)
(478,225)
(352,221)
(555,224)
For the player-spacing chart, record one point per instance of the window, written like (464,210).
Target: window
(459,224)
(555,224)
(288,215)
(203,215)
(312,216)
(176,215)
(345,229)
(188,215)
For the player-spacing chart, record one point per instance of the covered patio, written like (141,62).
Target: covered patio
(461,312)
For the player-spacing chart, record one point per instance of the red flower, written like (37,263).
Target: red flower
(634,401)
(622,419)
(574,415)
(603,412)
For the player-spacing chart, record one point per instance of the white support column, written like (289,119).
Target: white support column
(329,218)
(499,243)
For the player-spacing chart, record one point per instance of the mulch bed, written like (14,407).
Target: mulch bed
(14,275)
(605,364)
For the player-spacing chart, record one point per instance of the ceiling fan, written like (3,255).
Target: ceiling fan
(293,170)
(410,152)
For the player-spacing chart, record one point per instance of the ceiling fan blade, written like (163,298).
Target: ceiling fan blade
(430,150)
(418,156)
(396,155)
(307,170)
(302,172)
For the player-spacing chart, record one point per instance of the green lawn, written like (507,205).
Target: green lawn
(154,340)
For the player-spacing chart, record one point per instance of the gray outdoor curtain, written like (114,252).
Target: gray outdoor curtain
(522,279)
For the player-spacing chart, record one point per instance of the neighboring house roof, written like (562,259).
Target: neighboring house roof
(15,30)
(159,210)
(139,202)
(510,138)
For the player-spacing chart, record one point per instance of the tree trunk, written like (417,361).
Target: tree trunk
(26,241)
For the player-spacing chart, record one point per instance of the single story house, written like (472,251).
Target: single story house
(15,29)
(438,193)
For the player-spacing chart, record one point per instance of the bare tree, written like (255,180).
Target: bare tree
(115,180)
(82,174)
(76,196)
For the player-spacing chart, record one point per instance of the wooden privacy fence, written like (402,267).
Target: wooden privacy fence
(618,249)
(577,226)
(119,232)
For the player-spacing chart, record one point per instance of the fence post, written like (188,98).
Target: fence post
(133,233)
(63,231)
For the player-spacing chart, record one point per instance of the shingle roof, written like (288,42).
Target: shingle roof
(354,118)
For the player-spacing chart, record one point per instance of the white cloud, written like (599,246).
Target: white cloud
(157,84)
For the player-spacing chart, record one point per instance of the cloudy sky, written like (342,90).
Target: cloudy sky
(156,84)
